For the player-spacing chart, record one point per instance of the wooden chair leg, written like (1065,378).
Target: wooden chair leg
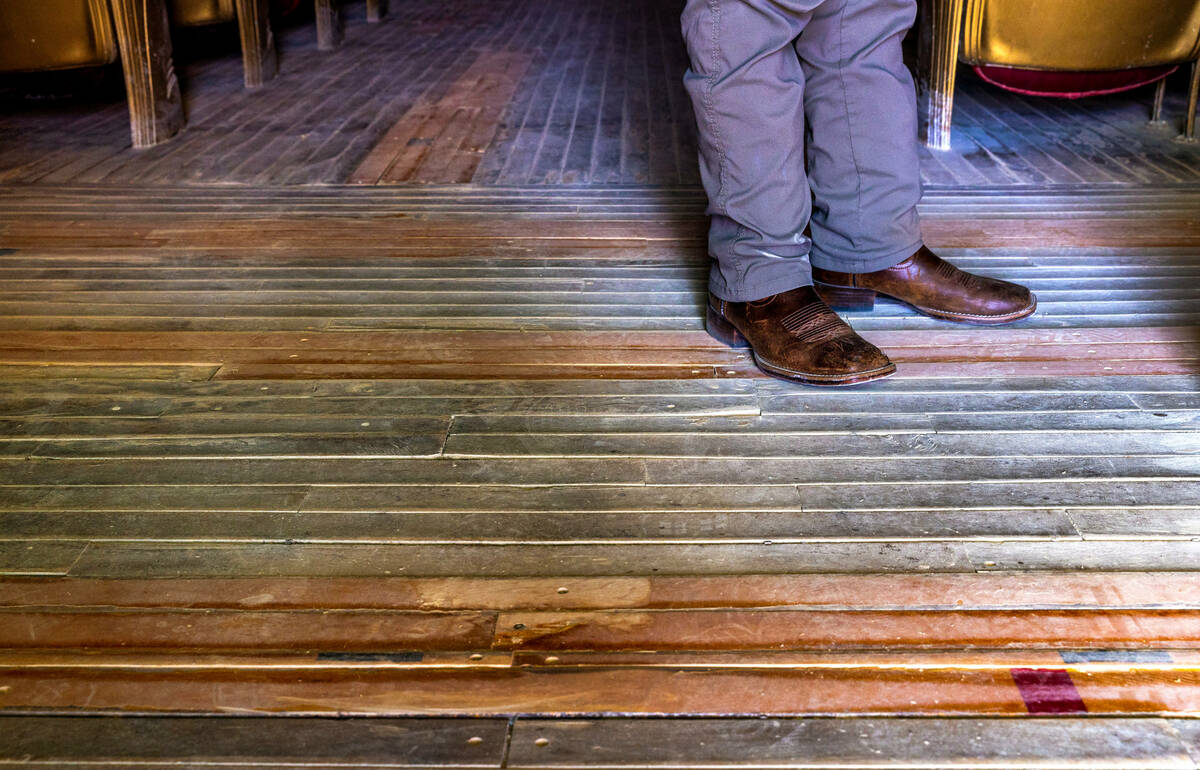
(259,61)
(1160,92)
(376,10)
(938,69)
(329,24)
(144,37)
(1189,125)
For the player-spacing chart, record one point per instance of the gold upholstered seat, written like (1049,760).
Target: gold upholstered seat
(195,13)
(1089,36)
(55,34)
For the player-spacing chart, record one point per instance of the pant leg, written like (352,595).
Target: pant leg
(747,88)
(863,163)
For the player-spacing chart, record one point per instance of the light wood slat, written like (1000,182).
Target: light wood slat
(501,389)
(1094,591)
(102,559)
(842,498)
(243,742)
(658,471)
(927,444)
(354,233)
(208,498)
(880,392)
(194,372)
(1188,731)
(857,743)
(1140,553)
(348,445)
(1081,662)
(528,560)
(727,526)
(820,471)
(202,426)
(1054,341)
(797,401)
(410,406)
(289,472)
(773,426)
(1182,522)
(1074,661)
(589,197)
(999,495)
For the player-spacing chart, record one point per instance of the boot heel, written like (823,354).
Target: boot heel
(720,329)
(845,297)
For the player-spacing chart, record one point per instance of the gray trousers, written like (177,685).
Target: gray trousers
(772,80)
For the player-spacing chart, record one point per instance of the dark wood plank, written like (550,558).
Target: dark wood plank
(898,742)
(243,742)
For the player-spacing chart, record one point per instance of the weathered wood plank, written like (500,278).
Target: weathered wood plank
(894,742)
(207,523)
(266,560)
(39,558)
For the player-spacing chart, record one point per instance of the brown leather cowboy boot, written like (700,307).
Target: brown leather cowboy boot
(795,336)
(931,285)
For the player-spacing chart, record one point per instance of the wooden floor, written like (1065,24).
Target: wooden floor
(432,464)
(519,92)
(463,463)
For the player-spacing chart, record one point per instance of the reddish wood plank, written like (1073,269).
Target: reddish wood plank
(967,591)
(246,629)
(745,629)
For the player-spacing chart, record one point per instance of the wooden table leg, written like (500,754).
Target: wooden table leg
(938,67)
(1189,122)
(155,106)
(329,24)
(259,61)
(376,10)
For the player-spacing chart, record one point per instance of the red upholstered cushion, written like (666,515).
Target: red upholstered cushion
(1071,85)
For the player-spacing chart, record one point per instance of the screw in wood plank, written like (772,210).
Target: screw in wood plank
(474,739)
(563,590)
(541,742)
(518,626)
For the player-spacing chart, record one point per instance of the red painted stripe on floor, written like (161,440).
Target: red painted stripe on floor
(1048,691)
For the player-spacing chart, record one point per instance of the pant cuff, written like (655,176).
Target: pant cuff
(857,263)
(748,292)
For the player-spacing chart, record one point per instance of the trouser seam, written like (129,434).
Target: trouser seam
(722,161)
(841,74)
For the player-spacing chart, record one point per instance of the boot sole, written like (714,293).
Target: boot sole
(723,331)
(849,298)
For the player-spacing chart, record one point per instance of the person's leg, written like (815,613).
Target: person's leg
(861,107)
(865,173)
(747,88)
